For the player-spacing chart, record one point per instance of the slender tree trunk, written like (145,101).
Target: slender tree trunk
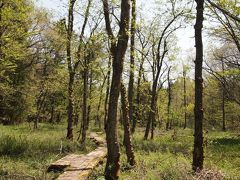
(89,98)
(107,92)
(132,63)
(152,112)
(198,110)
(52,114)
(70,107)
(223,101)
(153,117)
(40,104)
(1,30)
(85,103)
(140,71)
(98,121)
(126,124)
(184,99)
(70,71)
(169,123)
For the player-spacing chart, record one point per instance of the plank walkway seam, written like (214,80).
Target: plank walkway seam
(79,167)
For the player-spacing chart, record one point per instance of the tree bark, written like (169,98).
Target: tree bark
(198,157)
(140,72)
(223,101)
(118,50)
(71,65)
(70,70)
(98,121)
(152,112)
(184,99)
(85,103)
(132,63)
(70,107)
(107,92)
(169,125)
(126,124)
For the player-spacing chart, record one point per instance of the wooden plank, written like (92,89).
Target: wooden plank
(81,168)
(63,163)
(97,139)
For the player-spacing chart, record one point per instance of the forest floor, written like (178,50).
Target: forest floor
(169,156)
(25,153)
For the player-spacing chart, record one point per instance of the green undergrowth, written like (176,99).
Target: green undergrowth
(25,153)
(169,156)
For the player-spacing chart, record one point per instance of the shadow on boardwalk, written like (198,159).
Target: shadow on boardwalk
(77,167)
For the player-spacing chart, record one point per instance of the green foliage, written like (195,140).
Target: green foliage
(14,57)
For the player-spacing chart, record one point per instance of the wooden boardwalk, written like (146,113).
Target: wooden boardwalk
(79,167)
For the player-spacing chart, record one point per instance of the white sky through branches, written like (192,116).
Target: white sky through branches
(185,36)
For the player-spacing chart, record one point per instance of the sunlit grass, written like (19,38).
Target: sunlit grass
(170,158)
(25,153)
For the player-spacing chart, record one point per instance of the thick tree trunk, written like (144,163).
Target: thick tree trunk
(132,63)
(198,110)
(113,166)
(126,124)
(118,51)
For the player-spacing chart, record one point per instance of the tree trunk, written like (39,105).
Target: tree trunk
(40,103)
(152,112)
(127,134)
(118,51)
(98,121)
(107,92)
(169,123)
(85,104)
(184,99)
(223,100)
(140,71)
(89,98)
(153,116)
(52,114)
(132,61)
(70,71)
(198,110)
(70,107)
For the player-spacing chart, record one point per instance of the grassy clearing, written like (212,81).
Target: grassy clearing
(165,158)
(25,153)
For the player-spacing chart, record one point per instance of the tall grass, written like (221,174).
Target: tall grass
(170,158)
(24,152)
